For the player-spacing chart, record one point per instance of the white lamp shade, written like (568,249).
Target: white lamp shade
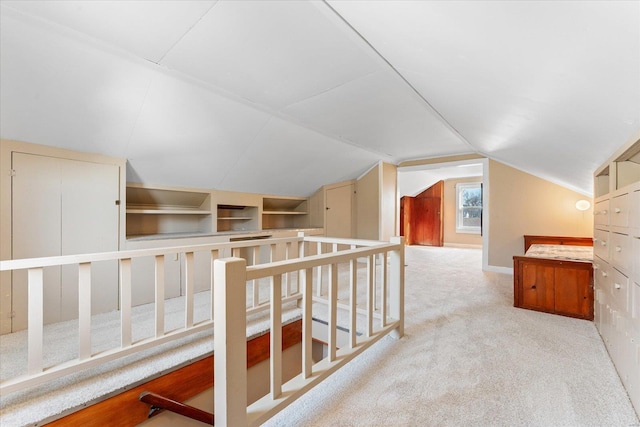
(583,205)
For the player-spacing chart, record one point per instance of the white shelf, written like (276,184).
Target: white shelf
(168,212)
(235,218)
(283,213)
(153,210)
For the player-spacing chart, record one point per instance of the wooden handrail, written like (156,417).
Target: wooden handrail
(158,402)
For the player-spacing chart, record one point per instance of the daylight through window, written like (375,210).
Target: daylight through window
(469,207)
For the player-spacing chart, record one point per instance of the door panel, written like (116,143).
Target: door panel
(338,212)
(63,207)
(572,291)
(89,224)
(36,223)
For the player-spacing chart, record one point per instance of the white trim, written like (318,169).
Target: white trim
(460,228)
(462,245)
(497,269)
(485,214)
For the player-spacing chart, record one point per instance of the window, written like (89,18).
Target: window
(469,207)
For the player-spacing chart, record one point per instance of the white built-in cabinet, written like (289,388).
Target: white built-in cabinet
(617,262)
(61,206)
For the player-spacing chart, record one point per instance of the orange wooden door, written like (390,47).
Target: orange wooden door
(427,224)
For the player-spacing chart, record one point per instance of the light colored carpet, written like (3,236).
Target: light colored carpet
(470,358)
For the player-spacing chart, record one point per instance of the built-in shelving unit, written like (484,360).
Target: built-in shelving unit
(616,266)
(237,218)
(166,210)
(284,212)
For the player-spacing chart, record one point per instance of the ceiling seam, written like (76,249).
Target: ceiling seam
(395,70)
(186,32)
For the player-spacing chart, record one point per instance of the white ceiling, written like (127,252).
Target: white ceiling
(284,96)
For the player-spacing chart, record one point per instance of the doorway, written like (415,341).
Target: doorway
(416,179)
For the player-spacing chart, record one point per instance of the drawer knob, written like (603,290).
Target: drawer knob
(617,210)
(604,274)
(605,212)
(618,249)
(617,286)
(603,243)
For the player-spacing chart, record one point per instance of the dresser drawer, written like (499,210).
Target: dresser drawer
(601,275)
(634,209)
(635,258)
(601,244)
(619,215)
(635,305)
(620,251)
(620,290)
(601,213)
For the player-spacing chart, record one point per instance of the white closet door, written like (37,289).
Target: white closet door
(89,224)
(338,212)
(36,223)
(64,207)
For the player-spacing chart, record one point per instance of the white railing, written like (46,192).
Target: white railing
(230,394)
(229,309)
(36,373)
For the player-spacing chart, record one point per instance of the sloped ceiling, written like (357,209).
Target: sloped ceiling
(282,97)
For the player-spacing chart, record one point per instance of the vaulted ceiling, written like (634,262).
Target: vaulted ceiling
(282,97)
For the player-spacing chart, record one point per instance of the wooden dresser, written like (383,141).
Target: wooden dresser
(554,286)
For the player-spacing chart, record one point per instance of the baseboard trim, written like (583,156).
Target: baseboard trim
(462,245)
(497,269)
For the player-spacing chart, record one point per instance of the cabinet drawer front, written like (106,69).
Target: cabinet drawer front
(620,290)
(537,287)
(601,244)
(601,213)
(601,275)
(620,251)
(635,304)
(573,292)
(619,215)
(635,258)
(634,209)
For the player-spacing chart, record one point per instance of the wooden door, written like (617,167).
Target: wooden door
(572,289)
(428,221)
(538,287)
(423,217)
(37,230)
(338,212)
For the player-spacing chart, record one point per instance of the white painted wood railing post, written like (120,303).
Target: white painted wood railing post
(333,311)
(159,291)
(383,292)
(319,271)
(230,343)
(35,320)
(371,266)
(255,283)
(84,310)
(189,289)
(307,318)
(353,295)
(214,256)
(276,336)
(396,286)
(125,302)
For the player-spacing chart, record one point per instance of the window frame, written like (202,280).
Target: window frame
(460,228)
